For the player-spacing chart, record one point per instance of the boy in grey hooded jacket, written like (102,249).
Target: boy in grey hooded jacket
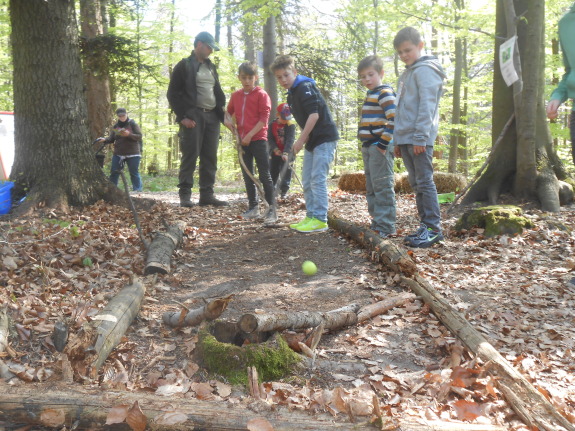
(419,90)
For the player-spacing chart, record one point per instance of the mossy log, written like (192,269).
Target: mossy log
(212,310)
(76,407)
(526,401)
(91,346)
(266,322)
(495,219)
(392,256)
(162,247)
(272,358)
(5,372)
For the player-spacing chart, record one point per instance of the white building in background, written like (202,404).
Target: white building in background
(6,143)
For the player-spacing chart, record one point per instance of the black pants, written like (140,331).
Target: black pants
(200,142)
(258,150)
(276,165)
(572,127)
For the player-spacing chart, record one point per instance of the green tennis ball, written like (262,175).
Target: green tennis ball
(308,267)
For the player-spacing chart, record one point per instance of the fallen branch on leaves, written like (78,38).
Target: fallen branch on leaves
(89,348)
(381,307)
(162,247)
(186,317)
(5,372)
(83,408)
(529,404)
(392,256)
(265,322)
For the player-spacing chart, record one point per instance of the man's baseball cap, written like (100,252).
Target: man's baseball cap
(208,39)
(121,111)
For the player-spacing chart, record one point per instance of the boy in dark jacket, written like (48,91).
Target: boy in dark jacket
(319,134)
(250,107)
(281,134)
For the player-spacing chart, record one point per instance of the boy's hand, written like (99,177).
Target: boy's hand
(277,152)
(418,149)
(246,140)
(381,151)
(297,146)
(397,151)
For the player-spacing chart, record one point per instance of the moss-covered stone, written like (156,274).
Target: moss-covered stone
(273,358)
(496,220)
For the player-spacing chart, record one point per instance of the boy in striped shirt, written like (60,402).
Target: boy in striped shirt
(375,132)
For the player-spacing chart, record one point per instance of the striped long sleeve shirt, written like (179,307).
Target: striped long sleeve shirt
(377,114)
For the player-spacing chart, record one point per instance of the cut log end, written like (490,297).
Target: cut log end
(248,323)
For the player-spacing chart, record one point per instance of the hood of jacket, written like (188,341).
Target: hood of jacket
(298,80)
(430,61)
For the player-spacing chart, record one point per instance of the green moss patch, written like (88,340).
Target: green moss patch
(273,358)
(496,220)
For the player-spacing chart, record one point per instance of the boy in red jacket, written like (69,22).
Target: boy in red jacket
(250,107)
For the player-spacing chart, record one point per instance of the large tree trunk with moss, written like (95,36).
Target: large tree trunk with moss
(54,164)
(525,163)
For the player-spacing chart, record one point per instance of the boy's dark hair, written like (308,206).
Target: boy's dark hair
(370,61)
(249,68)
(406,34)
(283,62)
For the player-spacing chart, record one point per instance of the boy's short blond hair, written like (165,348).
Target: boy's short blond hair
(406,34)
(371,61)
(249,68)
(283,62)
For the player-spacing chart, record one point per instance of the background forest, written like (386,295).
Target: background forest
(133,44)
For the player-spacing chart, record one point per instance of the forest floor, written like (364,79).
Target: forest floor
(518,291)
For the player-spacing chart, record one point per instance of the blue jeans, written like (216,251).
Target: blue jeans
(314,178)
(420,175)
(379,183)
(133,166)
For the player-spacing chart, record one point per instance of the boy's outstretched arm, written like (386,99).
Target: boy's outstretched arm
(309,125)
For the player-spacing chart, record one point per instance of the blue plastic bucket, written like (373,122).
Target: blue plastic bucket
(6,196)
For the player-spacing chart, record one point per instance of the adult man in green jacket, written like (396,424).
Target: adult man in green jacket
(196,96)
(566,88)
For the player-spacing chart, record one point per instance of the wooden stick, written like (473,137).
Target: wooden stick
(210,311)
(162,247)
(381,307)
(526,401)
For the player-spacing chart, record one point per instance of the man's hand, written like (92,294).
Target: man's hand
(187,123)
(397,151)
(552,108)
(124,132)
(381,151)
(418,149)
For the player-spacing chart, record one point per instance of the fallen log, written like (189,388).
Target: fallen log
(212,310)
(392,256)
(162,247)
(380,307)
(91,346)
(530,405)
(83,408)
(280,321)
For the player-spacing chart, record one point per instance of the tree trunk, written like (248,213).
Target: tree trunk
(528,402)
(333,319)
(218,23)
(270,50)
(454,139)
(53,161)
(93,344)
(162,247)
(249,41)
(95,69)
(526,162)
(392,256)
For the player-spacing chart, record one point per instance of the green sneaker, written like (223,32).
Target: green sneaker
(314,225)
(297,225)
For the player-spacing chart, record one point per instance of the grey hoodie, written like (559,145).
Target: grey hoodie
(419,89)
